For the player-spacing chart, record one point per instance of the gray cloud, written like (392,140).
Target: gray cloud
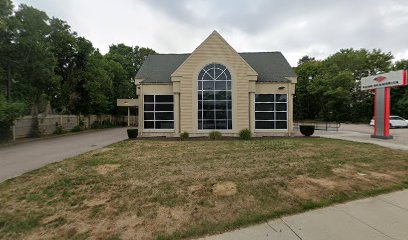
(296,28)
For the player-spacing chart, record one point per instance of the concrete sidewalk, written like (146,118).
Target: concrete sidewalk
(383,217)
(398,143)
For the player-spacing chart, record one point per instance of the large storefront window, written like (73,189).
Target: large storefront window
(271,111)
(214,98)
(158,112)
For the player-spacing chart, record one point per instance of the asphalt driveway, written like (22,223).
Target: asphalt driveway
(24,157)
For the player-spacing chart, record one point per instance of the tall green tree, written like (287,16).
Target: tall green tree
(125,62)
(43,61)
(304,101)
(64,49)
(36,81)
(131,59)
(6,62)
(399,96)
(334,89)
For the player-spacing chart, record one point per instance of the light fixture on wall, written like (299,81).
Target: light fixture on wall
(281,88)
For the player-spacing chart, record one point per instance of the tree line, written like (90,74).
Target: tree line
(329,89)
(44,65)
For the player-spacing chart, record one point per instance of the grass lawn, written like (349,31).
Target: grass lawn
(153,189)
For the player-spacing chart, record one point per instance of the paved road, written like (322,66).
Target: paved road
(380,218)
(24,157)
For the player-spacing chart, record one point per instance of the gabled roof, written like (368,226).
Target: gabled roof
(270,66)
(215,39)
(158,68)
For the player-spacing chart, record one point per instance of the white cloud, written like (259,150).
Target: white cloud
(317,28)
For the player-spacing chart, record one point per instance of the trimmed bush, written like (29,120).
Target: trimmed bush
(214,135)
(245,134)
(307,130)
(76,129)
(132,133)
(184,135)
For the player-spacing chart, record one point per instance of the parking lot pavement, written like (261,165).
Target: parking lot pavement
(362,133)
(383,217)
(24,157)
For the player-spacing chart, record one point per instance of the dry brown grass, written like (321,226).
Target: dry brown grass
(177,189)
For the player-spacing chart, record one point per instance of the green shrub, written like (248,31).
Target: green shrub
(307,130)
(184,135)
(101,124)
(245,134)
(76,129)
(215,135)
(59,130)
(132,133)
(8,113)
(81,124)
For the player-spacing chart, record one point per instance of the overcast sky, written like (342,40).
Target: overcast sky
(317,28)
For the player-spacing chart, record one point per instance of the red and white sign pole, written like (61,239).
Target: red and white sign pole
(381,84)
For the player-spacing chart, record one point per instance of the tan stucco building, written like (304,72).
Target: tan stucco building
(216,88)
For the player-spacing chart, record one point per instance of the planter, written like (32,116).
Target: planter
(132,133)
(307,130)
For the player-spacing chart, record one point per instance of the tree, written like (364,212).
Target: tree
(43,61)
(6,10)
(125,62)
(334,90)
(306,59)
(8,113)
(131,59)
(304,100)
(63,47)
(399,96)
(36,80)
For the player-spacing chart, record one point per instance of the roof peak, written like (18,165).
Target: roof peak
(238,53)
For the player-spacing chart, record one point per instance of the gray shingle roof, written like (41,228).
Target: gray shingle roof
(270,66)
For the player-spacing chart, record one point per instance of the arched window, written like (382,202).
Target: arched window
(214,98)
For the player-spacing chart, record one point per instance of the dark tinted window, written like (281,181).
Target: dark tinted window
(149,107)
(164,98)
(158,112)
(264,107)
(164,125)
(265,125)
(148,116)
(271,107)
(164,107)
(215,80)
(265,116)
(149,98)
(265,98)
(149,124)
